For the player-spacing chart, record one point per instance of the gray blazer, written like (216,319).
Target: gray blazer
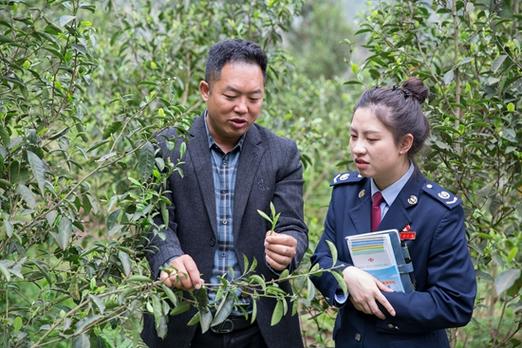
(269,170)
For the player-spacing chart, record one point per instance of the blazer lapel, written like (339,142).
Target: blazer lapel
(398,215)
(249,161)
(199,152)
(360,214)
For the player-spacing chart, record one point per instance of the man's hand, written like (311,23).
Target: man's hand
(185,274)
(365,292)
(280,249)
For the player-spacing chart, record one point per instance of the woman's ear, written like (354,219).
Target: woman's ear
(406,144)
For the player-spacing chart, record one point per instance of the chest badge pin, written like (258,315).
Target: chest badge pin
(362,193)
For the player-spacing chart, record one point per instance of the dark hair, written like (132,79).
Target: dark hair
(233,51)
(399,109)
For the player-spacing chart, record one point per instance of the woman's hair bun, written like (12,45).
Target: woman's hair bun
(416,88)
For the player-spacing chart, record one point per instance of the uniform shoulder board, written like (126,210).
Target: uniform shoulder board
(447,199)
(346,178)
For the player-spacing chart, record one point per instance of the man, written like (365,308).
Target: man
(232,168)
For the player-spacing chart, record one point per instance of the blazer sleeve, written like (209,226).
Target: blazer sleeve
(164,243)
(326,282)
(288,199)
(450,293)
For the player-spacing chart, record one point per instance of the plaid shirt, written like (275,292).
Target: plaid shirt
(224,172)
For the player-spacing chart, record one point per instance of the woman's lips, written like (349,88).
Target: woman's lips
(360,164)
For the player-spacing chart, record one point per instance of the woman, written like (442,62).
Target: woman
(388,128)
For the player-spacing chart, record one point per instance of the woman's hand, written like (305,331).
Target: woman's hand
(365,292)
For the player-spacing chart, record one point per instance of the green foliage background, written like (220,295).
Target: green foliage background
(85,85)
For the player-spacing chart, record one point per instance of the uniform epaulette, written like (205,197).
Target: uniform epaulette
(346,178)
(447,199)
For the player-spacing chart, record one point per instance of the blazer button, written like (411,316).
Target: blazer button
(212,241)
(390,326)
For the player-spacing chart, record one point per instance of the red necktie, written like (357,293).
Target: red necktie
(376,209)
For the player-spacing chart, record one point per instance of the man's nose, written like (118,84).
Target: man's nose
(241,106)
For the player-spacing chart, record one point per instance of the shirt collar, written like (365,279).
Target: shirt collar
(391,192)
(212,142)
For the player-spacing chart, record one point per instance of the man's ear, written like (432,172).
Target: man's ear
(204,90)
(406,144)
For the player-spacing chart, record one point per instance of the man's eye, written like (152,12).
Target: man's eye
(228,96)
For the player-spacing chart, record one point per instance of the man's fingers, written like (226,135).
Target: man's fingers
(193,273)
(274,264)
(186,276)
(283,250)
(164,277)
(281,259)
(280,238)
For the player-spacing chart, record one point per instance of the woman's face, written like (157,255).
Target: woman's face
(374,150)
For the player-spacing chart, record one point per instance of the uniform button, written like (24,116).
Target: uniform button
(357,337)
(224,221)
(212,241)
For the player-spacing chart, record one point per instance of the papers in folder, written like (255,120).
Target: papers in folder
(373,252)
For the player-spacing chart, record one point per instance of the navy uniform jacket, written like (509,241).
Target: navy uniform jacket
(445,278)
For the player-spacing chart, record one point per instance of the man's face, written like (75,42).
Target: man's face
(233,101)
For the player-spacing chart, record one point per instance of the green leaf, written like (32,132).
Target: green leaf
(27,195)
(224,309)
(340,280)
(64,20)
(81,341)
(201,297)
(17,324)
(505,280)
(9,229)
(146,160)
(170,295)
(38,168)
(284,274)
(125,262)
(99,302)
(157,310)
(257,279)
(498,62)
(510,107)
(254,311)
(448,77)
(310,290)
(333,252)
(195,319)
(182,307)
(277,314)
(64,232)
(4,264)
(264,216)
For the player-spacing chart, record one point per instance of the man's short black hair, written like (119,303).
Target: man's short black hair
(233,51)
